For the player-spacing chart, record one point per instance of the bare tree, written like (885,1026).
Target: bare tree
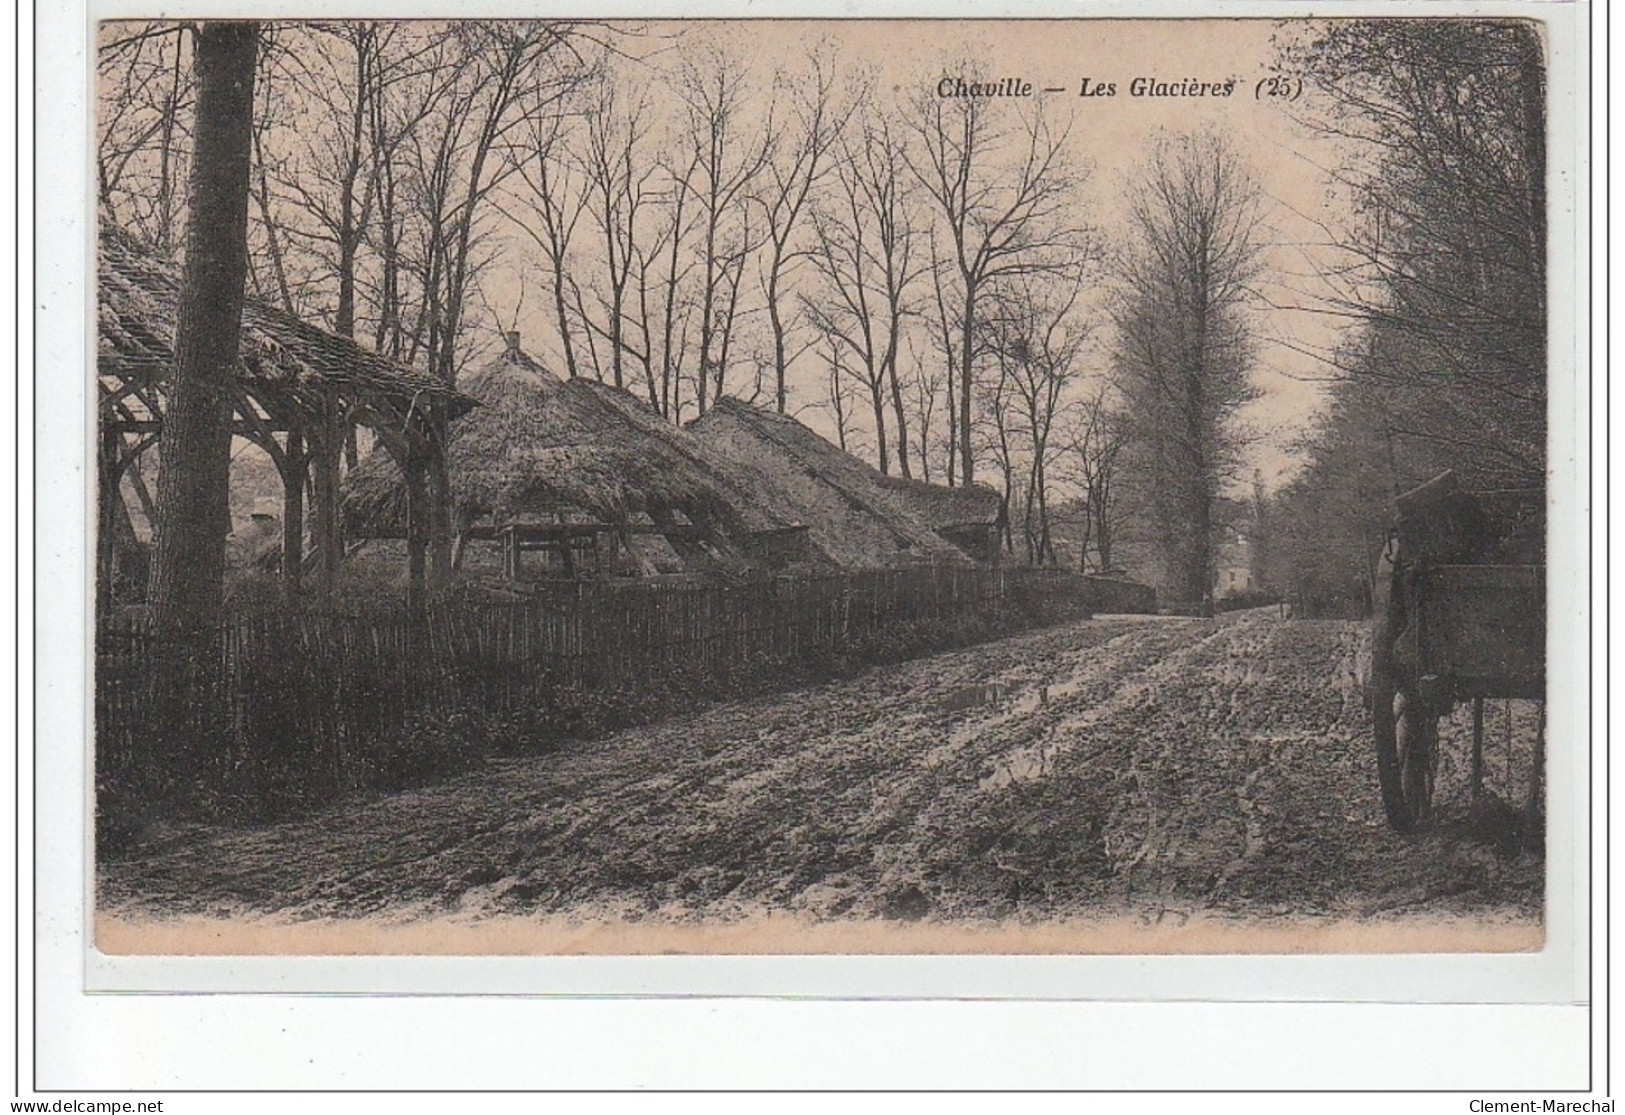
(1037,334)
(1095,441)
(620,181)
(340,67)
(926,389)
(479,76)
(797,165)
(996,428)
(866,256)
(1183,353)
(668,255)
(193,475)
(1445,122)
(145,93)
(1003,196)
(727,161)
(945,331)
(840,398)
(554,198)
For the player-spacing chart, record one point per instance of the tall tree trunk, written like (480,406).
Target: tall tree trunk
(878,403)
(194,474)
(967,470)
(560,309)
(780,392)
(899,412)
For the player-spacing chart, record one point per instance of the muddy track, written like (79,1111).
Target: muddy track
(1150,764)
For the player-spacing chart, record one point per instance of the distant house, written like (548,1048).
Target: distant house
(588,477)
(1140,554)
(855,516)
(1237,557)
(1233,561)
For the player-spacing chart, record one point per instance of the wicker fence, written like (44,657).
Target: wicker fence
(307,697)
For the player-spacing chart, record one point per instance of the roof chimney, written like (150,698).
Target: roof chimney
(512,337)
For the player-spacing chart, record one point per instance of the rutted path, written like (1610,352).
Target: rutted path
(1140,764)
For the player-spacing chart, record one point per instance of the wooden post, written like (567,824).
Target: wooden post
(326,533)
(567,555)
(1534,809)
(293,517)
(440,534)
(510,552)
(1478,748)
(440,499)
(418,515)
(107,491)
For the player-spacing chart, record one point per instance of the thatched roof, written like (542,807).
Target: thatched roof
(539,444)
(943,507)
(854,515)
(137,304)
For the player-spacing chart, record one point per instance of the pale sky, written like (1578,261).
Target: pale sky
(1110,135)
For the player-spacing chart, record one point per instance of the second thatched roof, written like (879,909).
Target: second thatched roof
(858,517)
(539,444)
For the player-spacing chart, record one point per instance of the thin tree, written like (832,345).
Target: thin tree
(669,255)
(727,160)
(1037,333)
(554,198)
(865,255)
(1004,196)
(798,164)
(619,178)
(926,390)
(1096,441)
(1183,353)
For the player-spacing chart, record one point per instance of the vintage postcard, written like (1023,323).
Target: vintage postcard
(1055,487)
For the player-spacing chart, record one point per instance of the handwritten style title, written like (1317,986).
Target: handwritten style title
(1271,87)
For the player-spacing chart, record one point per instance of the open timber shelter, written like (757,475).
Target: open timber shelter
(297,391)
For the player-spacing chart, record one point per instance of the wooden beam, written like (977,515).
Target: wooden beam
(107,492)
(326,442)
(440,498)
(257,429)
(156,426)
(293,517)
(417,532)
(149,506)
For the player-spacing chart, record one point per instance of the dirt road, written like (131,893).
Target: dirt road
(1138,764)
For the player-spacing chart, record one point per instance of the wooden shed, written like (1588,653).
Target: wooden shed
(587,473)
(856,517)
(298,391)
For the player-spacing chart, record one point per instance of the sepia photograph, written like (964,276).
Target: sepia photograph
(1054,487)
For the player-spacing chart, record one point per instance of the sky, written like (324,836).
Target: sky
(1110,135)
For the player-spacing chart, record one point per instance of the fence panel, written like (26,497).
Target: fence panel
(313,691)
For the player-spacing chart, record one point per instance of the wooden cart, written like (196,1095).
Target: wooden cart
(1459,614)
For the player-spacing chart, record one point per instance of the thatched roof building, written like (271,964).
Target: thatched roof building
(971,516)
(856,517)
(297,390)
(137,302)
(540,448)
